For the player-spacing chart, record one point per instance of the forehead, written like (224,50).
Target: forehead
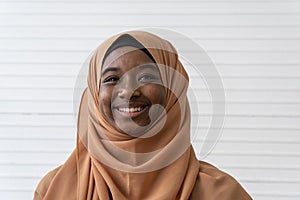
(126,55)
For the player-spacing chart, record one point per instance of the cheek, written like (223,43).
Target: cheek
(105,95)
(156,94)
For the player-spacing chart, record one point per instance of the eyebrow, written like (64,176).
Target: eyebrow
(109,69)
(149,66)
(115,69)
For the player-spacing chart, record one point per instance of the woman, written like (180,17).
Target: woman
(133,131)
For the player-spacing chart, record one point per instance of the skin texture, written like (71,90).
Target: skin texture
(130,79)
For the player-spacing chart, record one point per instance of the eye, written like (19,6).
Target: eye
(147,77)
(111,79)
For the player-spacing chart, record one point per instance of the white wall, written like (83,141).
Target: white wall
(254,44)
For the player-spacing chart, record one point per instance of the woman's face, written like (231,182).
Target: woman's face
(130,84)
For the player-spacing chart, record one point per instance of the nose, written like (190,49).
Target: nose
(128,88)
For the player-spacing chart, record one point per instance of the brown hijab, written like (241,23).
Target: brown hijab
(108,164)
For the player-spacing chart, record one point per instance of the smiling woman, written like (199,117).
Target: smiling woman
(133,134)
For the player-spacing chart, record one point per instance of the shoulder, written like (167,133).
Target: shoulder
(44,184)
(213,183)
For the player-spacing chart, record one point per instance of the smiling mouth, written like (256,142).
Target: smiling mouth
(131,111)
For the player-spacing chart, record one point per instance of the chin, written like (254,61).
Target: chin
(134,128)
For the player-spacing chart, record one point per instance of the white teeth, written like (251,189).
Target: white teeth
(130,110)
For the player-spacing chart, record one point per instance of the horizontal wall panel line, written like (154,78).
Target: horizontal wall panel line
(44,164)
(148,22)
(222,166)
(293,168)
(201,114)
(282,195)
(157,13)
(258,38)
(19,100)
(15,190)
(246,167)
(41,138)
(41,163)
(286,155)
(195,141)
(256,155)
(223,141)
(37,151)
(253,194)
(44,125)
(157,26)
(245,180)
(237,77)
(273,181)
(45,87)
(216,63)
(207,51)
(173,1)
(205,128)
(77,64)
